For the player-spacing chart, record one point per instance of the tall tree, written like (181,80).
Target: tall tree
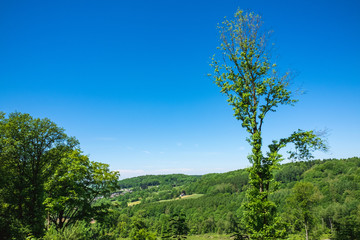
(178,225)
(249,78)
(30,149)
(305,195)
(74,187)
(139,230)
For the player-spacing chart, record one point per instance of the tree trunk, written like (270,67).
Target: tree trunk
(331,227)
(61,220)
(306,232)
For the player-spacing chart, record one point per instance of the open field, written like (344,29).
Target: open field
(134,203)
(209,237)
(193,196)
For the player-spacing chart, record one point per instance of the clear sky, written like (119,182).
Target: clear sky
(129,78)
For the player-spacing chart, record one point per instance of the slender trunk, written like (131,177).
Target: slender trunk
(61,220)
(20,203)
(48,220)
(331,226)
(20,186)
(306,232)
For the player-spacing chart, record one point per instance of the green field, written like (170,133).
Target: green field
(193,196)
(134,203)
(208,237)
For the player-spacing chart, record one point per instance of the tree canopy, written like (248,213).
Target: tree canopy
(30,150)
(74,187)
(39,161)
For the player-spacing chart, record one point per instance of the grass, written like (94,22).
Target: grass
(193,196)
(209,236)
(133,203)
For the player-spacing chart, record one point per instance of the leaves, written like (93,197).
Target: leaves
(248,76)
(75,185)
(30,150)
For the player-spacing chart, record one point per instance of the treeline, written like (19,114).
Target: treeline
(230,182)
(171,180)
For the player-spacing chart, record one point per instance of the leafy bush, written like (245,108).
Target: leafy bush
(77,231)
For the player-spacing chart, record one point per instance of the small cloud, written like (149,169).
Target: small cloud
(129,148)
(161,152)
(179,144)
(147,152)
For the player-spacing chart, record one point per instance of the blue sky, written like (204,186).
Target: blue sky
(129,78)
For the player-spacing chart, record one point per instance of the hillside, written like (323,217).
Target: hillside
(333,185)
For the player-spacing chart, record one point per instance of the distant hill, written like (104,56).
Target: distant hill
(157,180)
(217,205)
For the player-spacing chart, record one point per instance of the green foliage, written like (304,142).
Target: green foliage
(292,172)
(152,188)
(153,180)
(301,203)
(233,181)
(178,226)
(326,199)
(139,230)
(78,231)
(254,87)
(73,188)
(41,167)
(249,79)
(30,150)
(210,236)
(219,211)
